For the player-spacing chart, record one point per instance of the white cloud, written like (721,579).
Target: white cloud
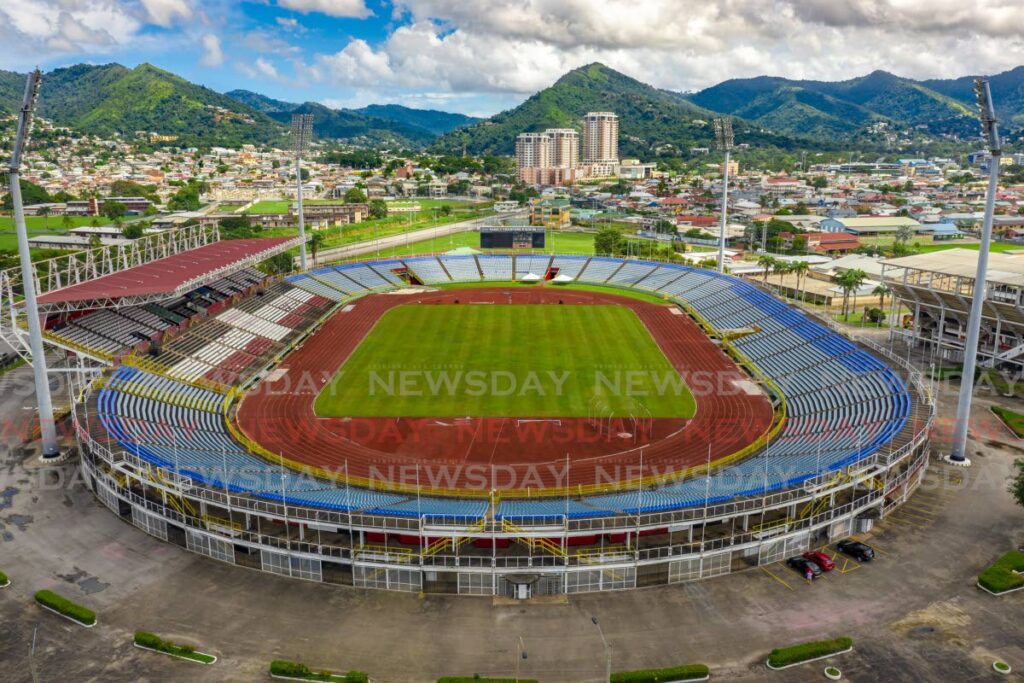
(29,28)
(520,46)
(266,68)
(166,12)
(354,9)
(290,24)
(213,56)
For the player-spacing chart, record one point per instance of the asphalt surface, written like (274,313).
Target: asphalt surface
(914,614)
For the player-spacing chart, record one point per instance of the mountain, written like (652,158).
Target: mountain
(650,120)
(376,124)
(112,99)
(817,108)
(267,105)
(437,122)
(1007,93)
(357,128)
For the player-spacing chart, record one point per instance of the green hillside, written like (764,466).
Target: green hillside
(815,108)
(437,122)
(112,99)
(650,120)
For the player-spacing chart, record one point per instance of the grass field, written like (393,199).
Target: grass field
(38,225)
(506,361)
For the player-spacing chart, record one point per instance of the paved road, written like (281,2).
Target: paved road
(915,614)
(385,243)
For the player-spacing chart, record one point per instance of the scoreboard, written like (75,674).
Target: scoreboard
(518,237)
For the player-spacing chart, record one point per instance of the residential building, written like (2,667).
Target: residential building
(548,158)
(600,138)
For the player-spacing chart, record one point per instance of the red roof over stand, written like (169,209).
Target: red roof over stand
(166,275)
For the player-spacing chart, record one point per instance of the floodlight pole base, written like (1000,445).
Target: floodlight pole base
(957,462)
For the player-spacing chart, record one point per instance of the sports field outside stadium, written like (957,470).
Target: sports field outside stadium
(507,361)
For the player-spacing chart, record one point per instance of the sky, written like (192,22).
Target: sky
(479,57)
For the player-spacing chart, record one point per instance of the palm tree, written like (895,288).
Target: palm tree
(800,268)
(783,268)
(44,211)
(767,262)
(881,291)
(850,281)
(316,240)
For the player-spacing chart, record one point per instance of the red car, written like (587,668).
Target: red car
(821,559)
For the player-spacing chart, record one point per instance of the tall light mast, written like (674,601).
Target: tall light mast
(47,428)
(723,135)
(990,131)
(302,132)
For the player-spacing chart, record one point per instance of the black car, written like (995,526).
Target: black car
(856,550)
(804,566)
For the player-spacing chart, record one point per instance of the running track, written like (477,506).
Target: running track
(494,452)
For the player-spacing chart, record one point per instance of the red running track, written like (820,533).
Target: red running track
(502,453)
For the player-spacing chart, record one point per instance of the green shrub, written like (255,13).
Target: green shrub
(3,579)
(686,672)
(155,642)
(478,679)
(61,604)
(801,653)
(1000,576)
(150,640)
(281,667)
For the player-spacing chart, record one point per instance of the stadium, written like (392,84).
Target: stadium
(501,424)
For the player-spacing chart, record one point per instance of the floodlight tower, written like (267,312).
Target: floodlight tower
(723,135)
(47,428)
(990,131)
(302,132)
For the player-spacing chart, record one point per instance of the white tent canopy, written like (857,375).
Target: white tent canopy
(561,279)
(530,277)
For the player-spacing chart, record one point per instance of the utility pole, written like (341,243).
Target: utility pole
(302,131)
(990,131)
(47,428)
(723,135)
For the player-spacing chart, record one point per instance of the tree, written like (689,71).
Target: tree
(30,194)
(766,262)
(278,264)
(355,196)
(378,208)
(316,240)
(800,268)
(850,281)
(133,231)
(113,210)
(1017,482)
(66,222)
(445,210)
(608,241)
(44,211)
(881,291)
(904,234)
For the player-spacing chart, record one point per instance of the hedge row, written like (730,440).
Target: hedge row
(282,667)
(801,653)
(155,642)
(66,607)
(477,679)
(687,672)
(1000,576)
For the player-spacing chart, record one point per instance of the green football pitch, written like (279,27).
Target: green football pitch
(507,361)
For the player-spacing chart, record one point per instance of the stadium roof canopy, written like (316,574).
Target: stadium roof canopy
(169,276)
(1006,268)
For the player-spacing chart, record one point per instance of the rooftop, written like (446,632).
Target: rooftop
(1003,268)
(172,274)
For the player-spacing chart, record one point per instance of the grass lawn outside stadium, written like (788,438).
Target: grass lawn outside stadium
(521,361)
